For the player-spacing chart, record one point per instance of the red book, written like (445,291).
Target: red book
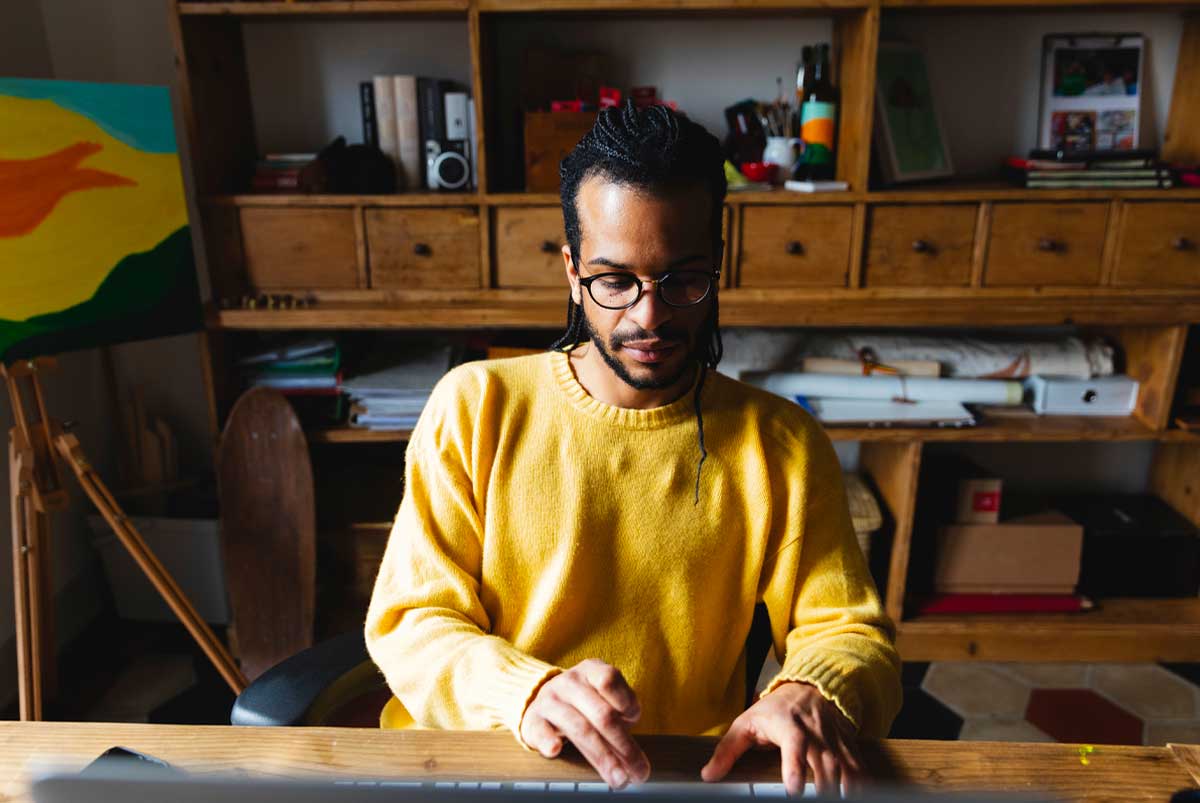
(1002,603)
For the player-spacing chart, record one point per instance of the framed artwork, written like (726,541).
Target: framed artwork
(1091,92)
(95,246)
(910,140)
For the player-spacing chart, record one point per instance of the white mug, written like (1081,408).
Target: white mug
(784,153)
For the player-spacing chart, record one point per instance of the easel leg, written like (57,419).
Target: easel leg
(42,567)
(29,685)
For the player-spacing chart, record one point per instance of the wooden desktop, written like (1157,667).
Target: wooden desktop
(1065,772)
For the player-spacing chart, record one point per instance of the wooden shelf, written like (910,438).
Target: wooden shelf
(1118,630)
(354,435)
(1034,429)
(1002,191)
(323,8)
(541,309)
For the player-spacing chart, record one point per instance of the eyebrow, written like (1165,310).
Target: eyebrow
(620,266)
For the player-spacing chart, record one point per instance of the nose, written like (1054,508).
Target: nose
(650,312)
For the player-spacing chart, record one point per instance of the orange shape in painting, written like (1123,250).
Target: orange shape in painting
(31,188)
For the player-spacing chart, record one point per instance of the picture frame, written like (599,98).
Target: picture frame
(909,137)
(1091,92)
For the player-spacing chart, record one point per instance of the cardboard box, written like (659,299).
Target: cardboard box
(549,136)
(1037,554)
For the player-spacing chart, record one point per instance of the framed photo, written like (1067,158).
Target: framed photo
(1091,92)
(909,137)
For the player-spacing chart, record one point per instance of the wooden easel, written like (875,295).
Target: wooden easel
(37,491)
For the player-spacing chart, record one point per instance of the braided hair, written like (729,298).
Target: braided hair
(652,149)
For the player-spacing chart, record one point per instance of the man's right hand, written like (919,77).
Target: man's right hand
(591,705)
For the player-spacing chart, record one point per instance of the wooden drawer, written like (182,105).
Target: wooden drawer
(299,248)
(416,249)
(528,242)
(1045,244)
(795,246)
(924,246)
(1159,245)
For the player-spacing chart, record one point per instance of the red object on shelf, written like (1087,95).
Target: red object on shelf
(609,98)
(1002,603)
(758,171)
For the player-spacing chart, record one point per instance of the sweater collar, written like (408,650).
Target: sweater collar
(653,418)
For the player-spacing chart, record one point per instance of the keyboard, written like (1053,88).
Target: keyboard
(690,789)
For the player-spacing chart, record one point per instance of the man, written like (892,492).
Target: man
(585,533)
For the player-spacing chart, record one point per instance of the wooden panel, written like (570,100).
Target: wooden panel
(1175,476)
(1114,772)
(1181,142)
(223,248)
(1188,756)
(1159,245)
(1151,355)
(856,37)
(1118,630)
(299,248)
(895,467)
(215,100)
(1045,244)
(795,247)
(528,245)
(268,529)
(423,248)
(920,245)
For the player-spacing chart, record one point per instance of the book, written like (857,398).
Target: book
(1095,173)
(385,120)
(1001,603)
(366,98)
(815,186)
(411,175)
(432,118)
(1127,183)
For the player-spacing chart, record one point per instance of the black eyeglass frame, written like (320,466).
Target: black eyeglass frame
(713,276)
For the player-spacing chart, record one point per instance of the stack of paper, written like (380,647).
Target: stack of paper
(393,397)
(307,367)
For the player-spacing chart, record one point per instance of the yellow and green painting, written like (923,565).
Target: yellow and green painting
(95,246)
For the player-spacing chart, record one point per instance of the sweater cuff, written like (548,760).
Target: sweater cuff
(518,680)
(830,677)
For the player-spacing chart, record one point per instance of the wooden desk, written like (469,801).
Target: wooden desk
(1115,774)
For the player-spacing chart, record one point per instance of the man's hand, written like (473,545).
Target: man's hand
(591,705)
(809,730)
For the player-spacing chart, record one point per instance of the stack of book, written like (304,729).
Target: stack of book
(308,372)
(289,172)
(421,124)
(1094,170)
(392,397)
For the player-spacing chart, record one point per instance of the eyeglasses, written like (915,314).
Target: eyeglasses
(622,290)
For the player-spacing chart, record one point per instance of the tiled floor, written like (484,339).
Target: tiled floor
(1090,703)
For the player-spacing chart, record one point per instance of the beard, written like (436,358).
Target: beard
(617,339)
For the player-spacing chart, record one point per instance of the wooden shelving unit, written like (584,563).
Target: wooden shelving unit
(1130,270)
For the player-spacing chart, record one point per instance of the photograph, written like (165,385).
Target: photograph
(1091,92)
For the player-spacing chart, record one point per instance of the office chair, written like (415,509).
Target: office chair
(336,683)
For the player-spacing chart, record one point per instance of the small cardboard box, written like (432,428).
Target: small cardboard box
(549,136)
(1038,554)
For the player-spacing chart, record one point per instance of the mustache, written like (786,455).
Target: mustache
(667,334)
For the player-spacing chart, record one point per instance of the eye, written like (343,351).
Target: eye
(614,281)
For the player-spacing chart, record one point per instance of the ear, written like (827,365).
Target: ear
(572,274)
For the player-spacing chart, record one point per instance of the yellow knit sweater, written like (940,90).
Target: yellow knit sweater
(540,527)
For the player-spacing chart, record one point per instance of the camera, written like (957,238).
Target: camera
(447,164)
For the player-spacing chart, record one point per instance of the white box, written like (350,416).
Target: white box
(1107,395)
(190,549)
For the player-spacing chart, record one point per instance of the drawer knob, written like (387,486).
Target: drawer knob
(922,247)
(795,248)
(1047,244)
(422,249)
(548,247)
(1182,244)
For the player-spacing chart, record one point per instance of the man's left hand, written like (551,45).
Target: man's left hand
(809,730)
